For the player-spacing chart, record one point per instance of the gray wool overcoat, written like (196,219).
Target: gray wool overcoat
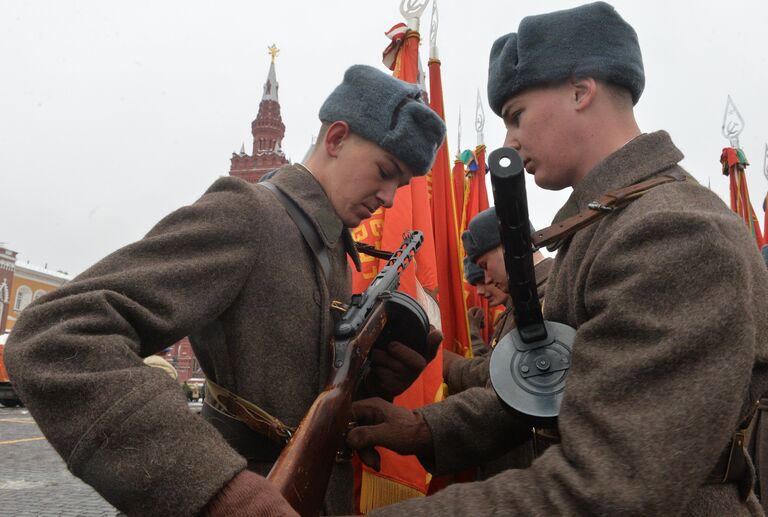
(668,299)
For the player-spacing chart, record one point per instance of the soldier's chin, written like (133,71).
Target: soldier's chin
(353,220)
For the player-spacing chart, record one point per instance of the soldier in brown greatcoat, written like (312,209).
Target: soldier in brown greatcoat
(474,276)
(235,273)
(483,246)
(667,296)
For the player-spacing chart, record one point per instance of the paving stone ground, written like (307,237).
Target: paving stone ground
(34,482)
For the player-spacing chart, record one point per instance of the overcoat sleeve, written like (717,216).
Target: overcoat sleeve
(466,373)
(660,377)
(470,428)
(75,356)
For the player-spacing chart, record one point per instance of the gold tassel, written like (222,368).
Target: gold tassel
(442,392)
(376,492)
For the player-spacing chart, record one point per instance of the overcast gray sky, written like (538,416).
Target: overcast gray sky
(113,114)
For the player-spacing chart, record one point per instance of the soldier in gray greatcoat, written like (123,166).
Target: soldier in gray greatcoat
(667,296)
(236,273)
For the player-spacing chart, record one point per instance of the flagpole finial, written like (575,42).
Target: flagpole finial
(458,138)
(479,120)
(433,52)
(765,162)
(733,123)
(411,11)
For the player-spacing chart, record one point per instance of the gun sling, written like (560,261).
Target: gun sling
(734,464)
(251,431)
(254,433)
(554,236)
(306,228)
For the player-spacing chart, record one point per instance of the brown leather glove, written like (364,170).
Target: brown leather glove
(248,494)
(395,368)
(380,423)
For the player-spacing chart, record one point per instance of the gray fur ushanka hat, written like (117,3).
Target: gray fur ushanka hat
(587,41)
(388,112)
(482,234)
(473,273)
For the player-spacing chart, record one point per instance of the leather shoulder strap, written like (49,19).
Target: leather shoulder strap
(553,236)
(305,226)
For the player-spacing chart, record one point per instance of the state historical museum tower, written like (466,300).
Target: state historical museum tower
(268,131)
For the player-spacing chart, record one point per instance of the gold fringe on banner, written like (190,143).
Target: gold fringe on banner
(376,492)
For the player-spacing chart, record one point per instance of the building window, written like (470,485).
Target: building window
(38,294)
(23,298)
(5,296)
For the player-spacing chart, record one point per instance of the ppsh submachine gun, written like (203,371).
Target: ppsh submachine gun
(379,315)
(530,364)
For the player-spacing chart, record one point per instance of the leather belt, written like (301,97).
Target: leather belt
(247,413)
(735,465)
(253,446)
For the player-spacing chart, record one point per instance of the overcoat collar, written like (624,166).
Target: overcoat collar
(640,159)
(304,189)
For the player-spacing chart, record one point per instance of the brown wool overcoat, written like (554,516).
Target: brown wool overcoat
(232,267)
(668,297)
(467,373)
(463,417)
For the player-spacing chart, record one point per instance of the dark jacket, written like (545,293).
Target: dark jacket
(668,300)
(231,269)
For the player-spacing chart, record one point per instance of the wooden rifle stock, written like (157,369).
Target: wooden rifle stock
(303,469)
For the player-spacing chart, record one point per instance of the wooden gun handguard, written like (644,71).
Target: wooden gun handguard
(303,469)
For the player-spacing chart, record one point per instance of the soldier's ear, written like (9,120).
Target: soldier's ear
(583,91)
(335,138)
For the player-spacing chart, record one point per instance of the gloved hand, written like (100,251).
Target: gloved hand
(380,423)
(476,317)
(394,368)
(248,494)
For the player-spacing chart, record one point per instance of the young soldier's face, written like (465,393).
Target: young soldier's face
(492,263)
(365,177)
(493,294)
(540,126)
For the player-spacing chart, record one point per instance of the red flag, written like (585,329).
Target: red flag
(453,309)
(734,163)
(402,477)
(460,187)
(476,200)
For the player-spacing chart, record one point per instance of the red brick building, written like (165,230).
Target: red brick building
(268,131)
(181,356)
